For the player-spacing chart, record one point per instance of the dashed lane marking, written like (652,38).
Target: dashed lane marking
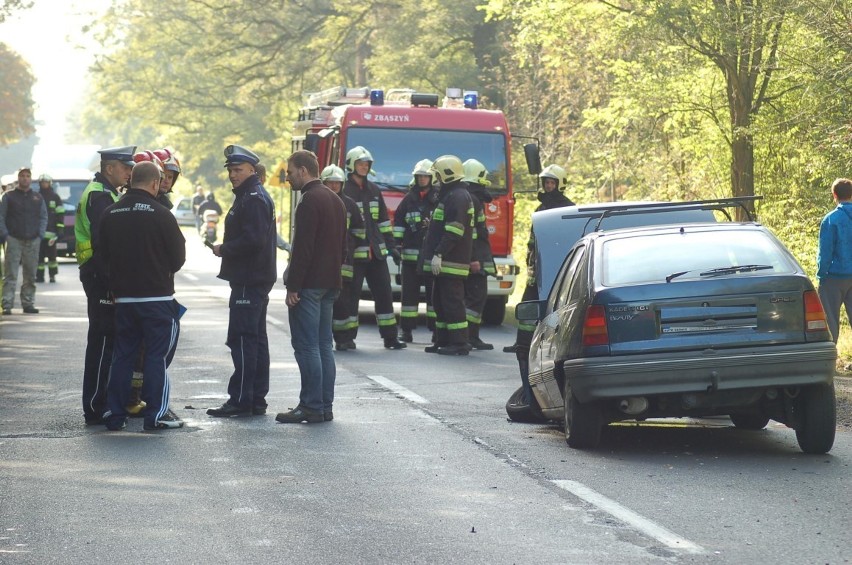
(398,389)
(619,512)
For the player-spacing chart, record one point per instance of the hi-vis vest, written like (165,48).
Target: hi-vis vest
(82,225)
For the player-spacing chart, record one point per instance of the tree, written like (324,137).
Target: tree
(8,7)
(16,102)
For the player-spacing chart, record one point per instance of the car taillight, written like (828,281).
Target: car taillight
(814,314)
(594,327)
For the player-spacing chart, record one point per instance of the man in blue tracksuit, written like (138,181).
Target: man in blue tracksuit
(248,264)
(834,259)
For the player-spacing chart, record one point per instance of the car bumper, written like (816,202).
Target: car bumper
(707,371)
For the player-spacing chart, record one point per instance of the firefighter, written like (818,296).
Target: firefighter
(171,170)
(55,229)
(446,255)
(372,265)
(482,261)
(116,164)
(344,320)
(410,224)
(554,180)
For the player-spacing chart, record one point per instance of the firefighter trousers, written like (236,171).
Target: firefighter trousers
(525,330)
(376,273)
(410,299)
(448,300)
(344,322)
(475,296)
(47,252)
(99,345)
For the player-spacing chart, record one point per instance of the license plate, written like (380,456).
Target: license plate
(62,246)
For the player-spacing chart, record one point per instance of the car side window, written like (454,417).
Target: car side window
(559,295)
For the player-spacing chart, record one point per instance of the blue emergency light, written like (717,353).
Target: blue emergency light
(377,98)
(470,99)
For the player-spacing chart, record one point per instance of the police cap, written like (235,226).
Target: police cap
(123,154)
(237,154)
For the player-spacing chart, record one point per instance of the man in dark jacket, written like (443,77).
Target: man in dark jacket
(313,282)
(372,265)
(410,223)
(482,260)
(142,248)
(446,255)
(55,228)
(248,264)
(23,221)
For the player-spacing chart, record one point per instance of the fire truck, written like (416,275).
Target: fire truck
(399,128)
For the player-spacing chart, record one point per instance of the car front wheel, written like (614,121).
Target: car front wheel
(583,422)
(523,410)
(815,432)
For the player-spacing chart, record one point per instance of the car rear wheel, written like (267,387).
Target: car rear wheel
(521,411)
(815,432)
(749,421)
(583,422)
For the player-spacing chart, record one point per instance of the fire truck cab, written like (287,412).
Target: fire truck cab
(401,127)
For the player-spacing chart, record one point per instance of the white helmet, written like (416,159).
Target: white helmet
(447,169)
(333,173)
(357,153)
(555,172)
(476,173)
(423,167)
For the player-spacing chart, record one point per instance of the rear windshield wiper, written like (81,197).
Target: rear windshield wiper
(673,276)
(734,269)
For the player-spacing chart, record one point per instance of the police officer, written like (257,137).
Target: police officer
(446,254)
(410,224)
(482,261)
(116,164)
(344,320)
(55,228)
(248,264)
(554,180)
(379,234)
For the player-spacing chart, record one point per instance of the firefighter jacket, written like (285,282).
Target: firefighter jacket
(355,238)
(377,224)
(98,195)
(55,214)
(319,239)
(248,247)
(411,220)
(549,201)
(481,245)
(141,246)
(450,232)
(23,215)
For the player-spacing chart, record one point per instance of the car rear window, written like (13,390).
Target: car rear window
(690,255)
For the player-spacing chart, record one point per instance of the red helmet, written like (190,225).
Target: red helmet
(143,156)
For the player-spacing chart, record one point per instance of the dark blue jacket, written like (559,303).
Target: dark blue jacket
(248,248)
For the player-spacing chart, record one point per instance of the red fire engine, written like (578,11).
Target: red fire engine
(401,127)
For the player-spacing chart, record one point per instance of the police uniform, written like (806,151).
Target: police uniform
(248,264)
(98,195)
(411,221)
(370,260)
(476,284)
(450,236)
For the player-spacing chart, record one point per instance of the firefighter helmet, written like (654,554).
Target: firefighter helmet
(45,178)
(333,173)
(475,172)
(143,156)
(357,153)
(170,162)
(555,172)
(447,169)
(423,167)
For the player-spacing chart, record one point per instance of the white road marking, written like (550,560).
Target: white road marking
(619,512)
(189,276)
(398,389)
(274,321)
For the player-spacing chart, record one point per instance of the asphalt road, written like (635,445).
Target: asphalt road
(420,464)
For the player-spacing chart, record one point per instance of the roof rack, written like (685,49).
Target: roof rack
(720,204)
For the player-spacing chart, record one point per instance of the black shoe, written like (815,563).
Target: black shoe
(328,416)
(39,279)
(405,335)
(52,279)
(433,348)
(93,420)
(169,421)
(511,348)
(344,345)
(298,415)
(116,424)
(7,311)
(30,310)
(455,349)
(480,345)
(394,343)
(258,411)
(228,410)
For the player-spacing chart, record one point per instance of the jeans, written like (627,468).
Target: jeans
(23,252)
(310,331)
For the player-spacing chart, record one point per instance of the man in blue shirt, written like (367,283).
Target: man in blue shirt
(834,258)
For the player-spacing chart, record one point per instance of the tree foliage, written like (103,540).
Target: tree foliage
(16,102)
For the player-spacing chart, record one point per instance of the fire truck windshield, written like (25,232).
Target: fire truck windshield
(397,150)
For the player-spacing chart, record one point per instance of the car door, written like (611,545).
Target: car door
(544,344)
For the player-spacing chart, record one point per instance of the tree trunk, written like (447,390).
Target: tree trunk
(742,170)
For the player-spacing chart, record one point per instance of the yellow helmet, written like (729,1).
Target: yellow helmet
(357,153)
(555,172)
(333,173)
(423,167)
(447,169)
(475,172)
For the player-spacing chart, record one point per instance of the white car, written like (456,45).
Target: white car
(183,212)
